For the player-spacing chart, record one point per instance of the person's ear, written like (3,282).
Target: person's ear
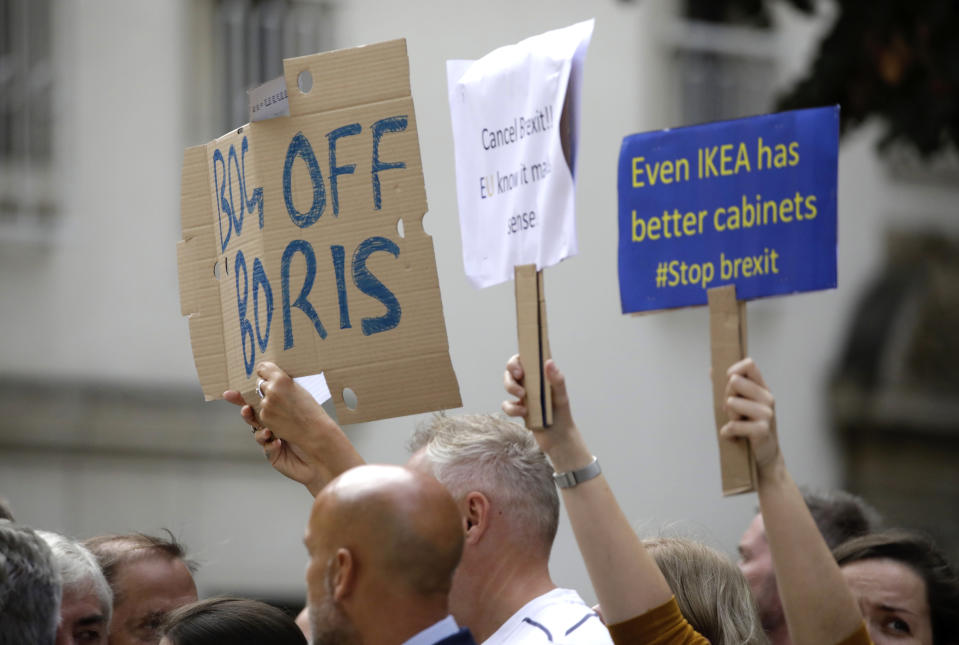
(476,514)
(343,574)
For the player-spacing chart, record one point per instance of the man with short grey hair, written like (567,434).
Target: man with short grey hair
(467,452)
(499,478)
(86,602)
(504,486)
(29,588)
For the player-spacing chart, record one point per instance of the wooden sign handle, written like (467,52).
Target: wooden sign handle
(727,333)
(533,345)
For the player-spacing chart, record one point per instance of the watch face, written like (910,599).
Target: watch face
(567,479)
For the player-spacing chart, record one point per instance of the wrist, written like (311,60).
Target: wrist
(572,478)
(773,471)
(566,450)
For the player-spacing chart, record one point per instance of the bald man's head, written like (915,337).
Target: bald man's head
(383,528)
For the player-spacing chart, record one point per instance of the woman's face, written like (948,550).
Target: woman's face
(892,598)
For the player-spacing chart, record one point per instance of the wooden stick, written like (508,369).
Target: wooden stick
(727,332)
(533,345)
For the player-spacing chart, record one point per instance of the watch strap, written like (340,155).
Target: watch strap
(571,478)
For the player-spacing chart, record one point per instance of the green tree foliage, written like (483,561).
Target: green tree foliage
(893,59)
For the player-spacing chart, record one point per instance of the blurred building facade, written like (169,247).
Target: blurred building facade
(105,425)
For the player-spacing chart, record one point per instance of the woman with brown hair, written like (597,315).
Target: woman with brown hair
(907,590)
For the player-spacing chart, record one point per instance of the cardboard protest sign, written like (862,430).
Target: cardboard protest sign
(727,339)
(515,126)
(750,202)
(533,340)
(303,243)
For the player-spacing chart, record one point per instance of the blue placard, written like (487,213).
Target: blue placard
(750,202)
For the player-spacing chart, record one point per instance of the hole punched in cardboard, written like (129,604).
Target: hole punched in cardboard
(349,398)
(304,81)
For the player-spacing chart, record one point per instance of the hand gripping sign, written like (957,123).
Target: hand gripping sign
(515,124)
(735,209)
(303,243)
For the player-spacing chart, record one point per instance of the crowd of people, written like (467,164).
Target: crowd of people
(453,548)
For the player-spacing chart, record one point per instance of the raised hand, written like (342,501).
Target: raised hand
(819,607)
(562,416)
(299,439)
(752,413)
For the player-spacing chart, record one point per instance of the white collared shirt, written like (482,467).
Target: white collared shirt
(435,632)
(558,616)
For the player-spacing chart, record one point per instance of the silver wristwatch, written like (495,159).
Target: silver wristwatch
(573,477)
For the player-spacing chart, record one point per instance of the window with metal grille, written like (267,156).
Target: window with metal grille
(27,202)
(254,36)
(716,83)
(725,65)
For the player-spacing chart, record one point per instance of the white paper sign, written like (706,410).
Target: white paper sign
(315,385)
(269,100)
(515,119)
